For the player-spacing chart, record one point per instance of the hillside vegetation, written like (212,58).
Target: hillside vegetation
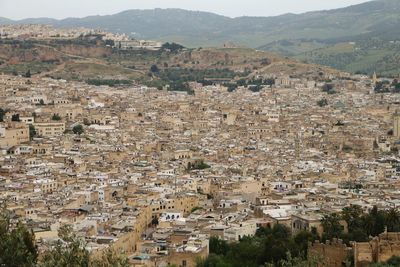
(316,37)
(361,38)
(88,59)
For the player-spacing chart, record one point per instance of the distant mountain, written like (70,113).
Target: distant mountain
(193,28)
(5,21)
(288,34)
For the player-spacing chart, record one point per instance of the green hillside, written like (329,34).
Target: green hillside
(364,56)
(192,28)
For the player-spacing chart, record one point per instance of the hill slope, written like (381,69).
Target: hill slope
(313,37)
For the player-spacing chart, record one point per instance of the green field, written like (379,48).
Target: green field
(365,56)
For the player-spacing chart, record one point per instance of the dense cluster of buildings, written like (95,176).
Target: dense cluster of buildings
(155,173)
(42,32)
(46,32)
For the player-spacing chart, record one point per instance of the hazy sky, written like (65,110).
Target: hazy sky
(17,9)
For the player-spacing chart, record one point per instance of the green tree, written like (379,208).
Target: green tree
(15,117)
(276,244)
(2,113)
(17,244)
(154,69)
(110,258)
(109,42)
(172,47)
(69,251)
(353,215)
(213,260)
(32,131)
(378,221)
(323,102)
(298,262)
(392,262)
(395,261)
(154,221)
(218,246)
(393,220)
(332,227)
(28,74)
(56,117)
(247,252)
(78,129)
(302,239)
(328,88)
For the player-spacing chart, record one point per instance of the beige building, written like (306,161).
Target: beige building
(13,134)
(49,129)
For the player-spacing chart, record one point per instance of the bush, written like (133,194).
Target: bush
(78,129)
(154,69)
(323,102)
(56,117)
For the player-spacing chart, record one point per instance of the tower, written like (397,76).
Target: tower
(374,78)
(396,124)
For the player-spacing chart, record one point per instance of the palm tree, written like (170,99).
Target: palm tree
(369,224)
(393,219)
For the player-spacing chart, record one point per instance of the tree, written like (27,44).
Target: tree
(298,262)
(28,74)
(328,88)
(248,252)
(15,117)
(332,227)
(172,47)
(2,113)
(381,264)
(213,260)
(109,42)
(273,246)
(200,165)
(352,215)
(69,251)
(154,221)
(154,69)
(392,262)
(395,261)
(17,244)
(78,129)
(323,102)
(110,258)
(218,246)
(377,220)
(56,117)
(32,131)
(302,239)
(393,220)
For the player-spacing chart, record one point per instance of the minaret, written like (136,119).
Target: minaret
(374,79)
(396,124)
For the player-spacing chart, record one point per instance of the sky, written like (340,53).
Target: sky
(19,9)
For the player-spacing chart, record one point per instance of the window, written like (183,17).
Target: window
(184,263)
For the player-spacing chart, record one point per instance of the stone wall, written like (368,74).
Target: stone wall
(379,249)
(331,254)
